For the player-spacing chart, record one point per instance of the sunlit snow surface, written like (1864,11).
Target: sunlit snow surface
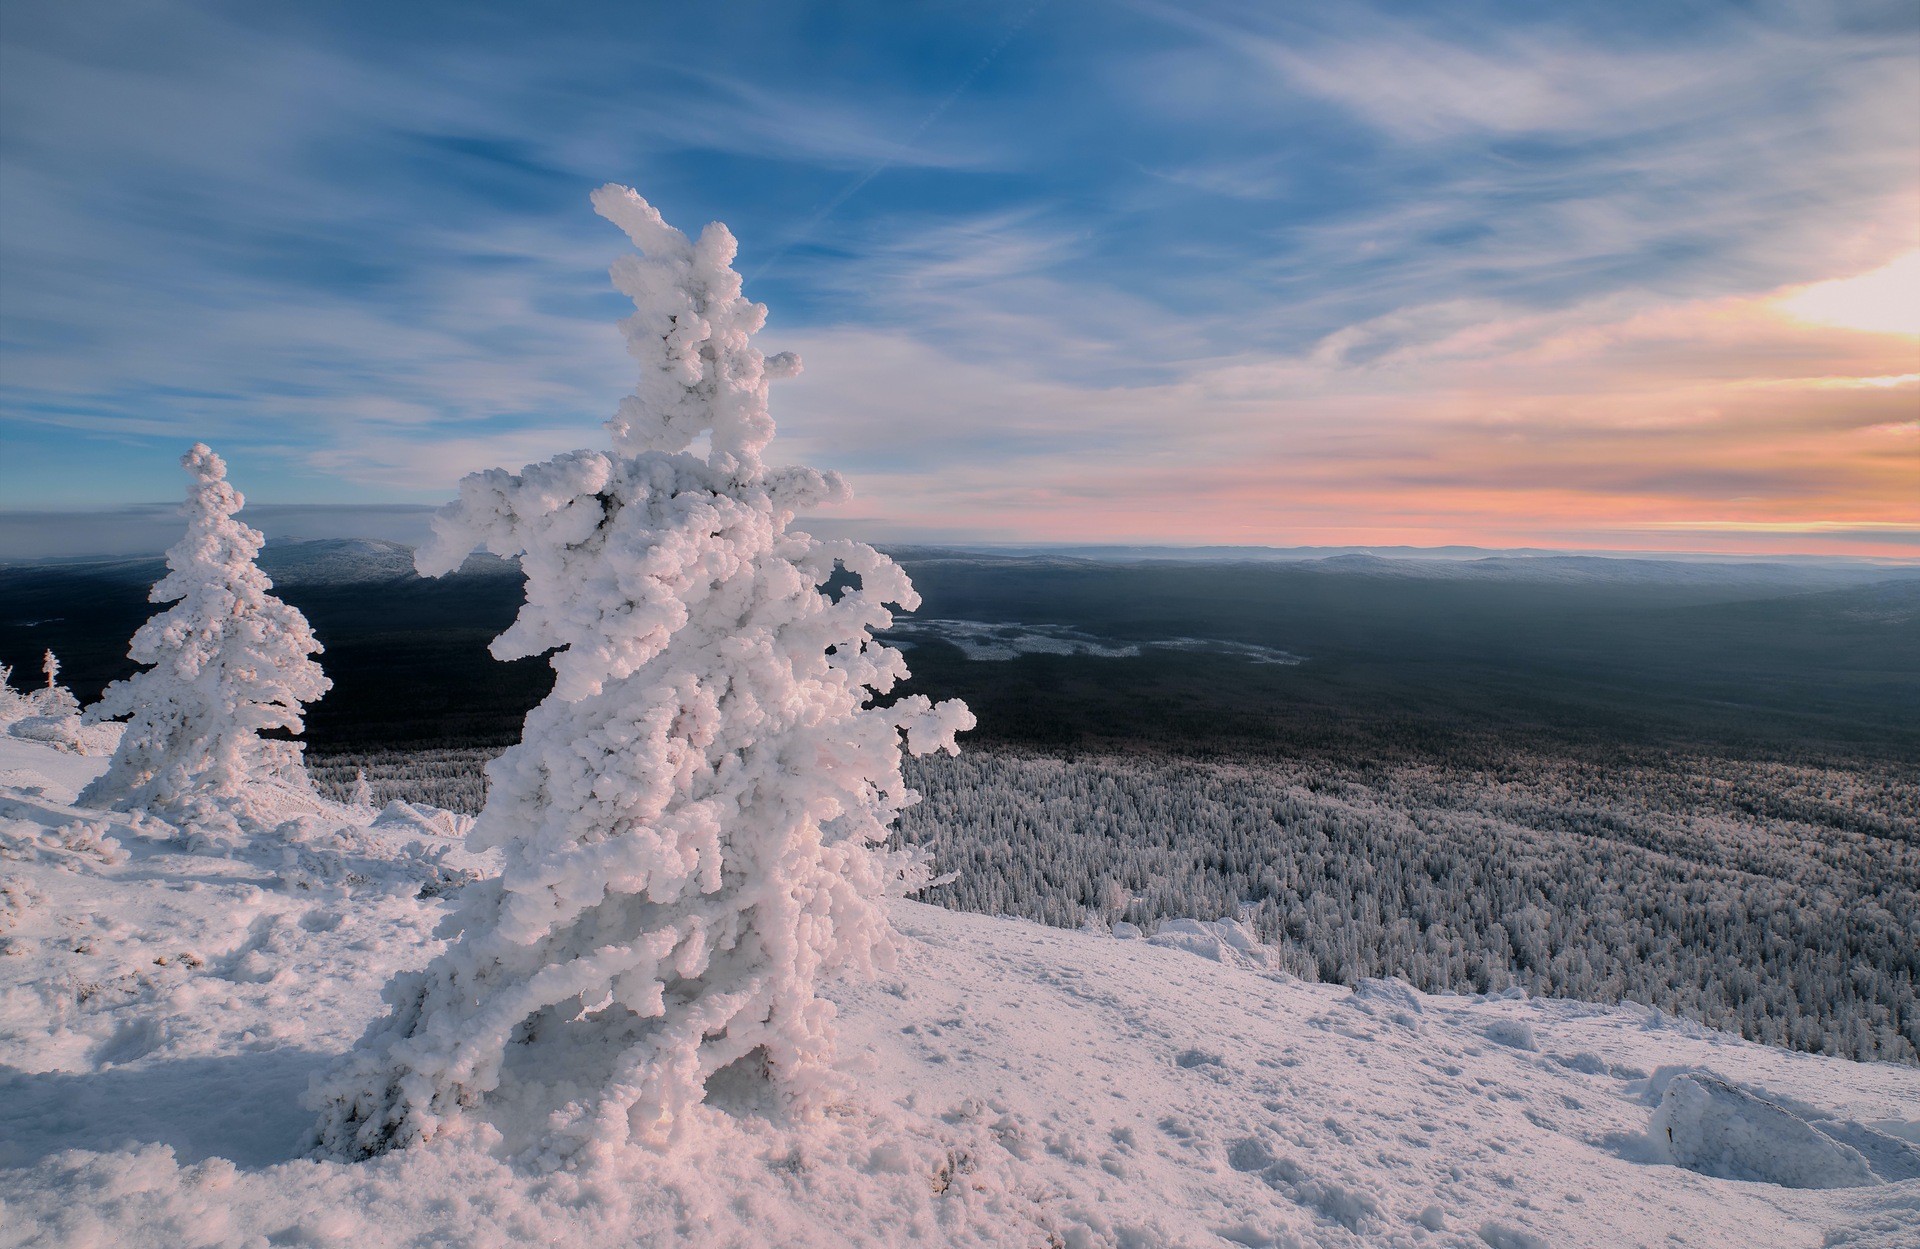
(977,639)
(1011,1085)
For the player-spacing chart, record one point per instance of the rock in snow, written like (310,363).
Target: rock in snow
(163,1008)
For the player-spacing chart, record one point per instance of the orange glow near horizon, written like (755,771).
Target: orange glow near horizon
(1782,423)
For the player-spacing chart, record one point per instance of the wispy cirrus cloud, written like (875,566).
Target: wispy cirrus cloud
(217,230)
(1536,157)
(1189,272)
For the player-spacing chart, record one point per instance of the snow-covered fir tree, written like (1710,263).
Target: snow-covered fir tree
(361,796)
(228,661)
(54,699)
(691,822)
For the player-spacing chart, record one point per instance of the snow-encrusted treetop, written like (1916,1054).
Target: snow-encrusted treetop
(691,820)
(700,375)
(692,333)
(229,660)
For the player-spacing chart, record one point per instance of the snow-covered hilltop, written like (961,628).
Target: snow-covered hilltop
(664,988)
(162,1011)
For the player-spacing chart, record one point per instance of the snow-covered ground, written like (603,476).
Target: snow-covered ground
(163,1006)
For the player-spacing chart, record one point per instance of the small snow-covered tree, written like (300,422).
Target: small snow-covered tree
(229,660)
(691,820)
(361,796)
(53,699)
(13,703)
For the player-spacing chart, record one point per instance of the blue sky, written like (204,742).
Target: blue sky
(1059,270)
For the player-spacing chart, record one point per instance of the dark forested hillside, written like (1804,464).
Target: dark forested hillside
(407,655)
(1414,663)
(1427,661)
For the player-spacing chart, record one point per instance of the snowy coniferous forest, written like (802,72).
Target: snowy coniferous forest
(1769,899)
(1674,886)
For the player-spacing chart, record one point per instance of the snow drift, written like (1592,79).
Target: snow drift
(162,1010)
(1717,1128)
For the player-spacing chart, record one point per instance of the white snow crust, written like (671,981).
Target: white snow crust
(163,1009)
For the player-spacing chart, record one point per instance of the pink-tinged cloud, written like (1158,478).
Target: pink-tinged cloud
(1732,424)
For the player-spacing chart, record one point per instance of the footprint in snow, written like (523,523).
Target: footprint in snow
(1336,1202)
(130,1042)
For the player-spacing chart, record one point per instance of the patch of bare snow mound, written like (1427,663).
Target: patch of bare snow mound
(1223,940)
(67,732)
(51,716)
(1717,1128)
(418,817)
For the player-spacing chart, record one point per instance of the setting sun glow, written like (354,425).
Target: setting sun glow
(1883,301)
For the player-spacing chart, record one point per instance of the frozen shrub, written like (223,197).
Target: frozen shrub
(13,703)
(56,699)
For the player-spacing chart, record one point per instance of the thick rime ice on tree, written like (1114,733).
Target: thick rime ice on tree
(53,699)
(228,661)
(691,821)
(13,704)
(51,714)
